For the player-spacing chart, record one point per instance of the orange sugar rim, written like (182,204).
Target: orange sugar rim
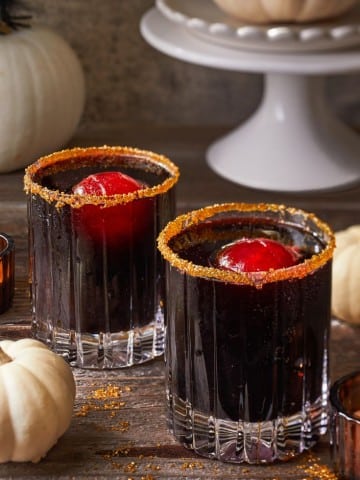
(86,157)
(257,279)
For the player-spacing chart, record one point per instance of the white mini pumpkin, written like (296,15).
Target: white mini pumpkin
(37,392)
(42,91)
(273,11)
(346,276)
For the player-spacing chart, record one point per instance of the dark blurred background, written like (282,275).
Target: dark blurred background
(130,83)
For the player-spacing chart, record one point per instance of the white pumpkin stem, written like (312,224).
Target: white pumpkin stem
(4,28)
(4,358)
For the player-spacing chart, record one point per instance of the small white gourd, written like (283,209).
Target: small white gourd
(345,303)
(37,392)
(42,91)
(275,11)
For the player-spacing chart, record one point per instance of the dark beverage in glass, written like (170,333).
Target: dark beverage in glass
(247,353)
(97,279)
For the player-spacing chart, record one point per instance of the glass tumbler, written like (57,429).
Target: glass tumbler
(96,276)
(247,353)
(345,426)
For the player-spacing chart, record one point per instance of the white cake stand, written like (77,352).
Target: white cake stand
(293,142)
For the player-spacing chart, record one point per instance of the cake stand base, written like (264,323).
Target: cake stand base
(293,142)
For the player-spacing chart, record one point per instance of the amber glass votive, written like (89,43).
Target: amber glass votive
(7,271)
(97,280)
(345,426)
(247,352)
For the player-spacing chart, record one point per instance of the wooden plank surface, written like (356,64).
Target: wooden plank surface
(121,432)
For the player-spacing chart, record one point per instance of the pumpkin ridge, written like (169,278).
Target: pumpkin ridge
(346,275)
(280,11)
(9,434)
(49,394)
(43,432)
(274,11)
(8,129)
(353,282)
(38,102)
(16,348)
(36,99)
(54,369)
(71,117)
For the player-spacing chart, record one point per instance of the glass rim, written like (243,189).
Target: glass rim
(57,159)
(256,279)
(335,401)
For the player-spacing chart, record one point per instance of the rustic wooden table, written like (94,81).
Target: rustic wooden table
(121,432)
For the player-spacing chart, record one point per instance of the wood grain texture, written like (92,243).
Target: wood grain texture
(121,432)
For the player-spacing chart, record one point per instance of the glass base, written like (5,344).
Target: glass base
(245,442)
(104,350)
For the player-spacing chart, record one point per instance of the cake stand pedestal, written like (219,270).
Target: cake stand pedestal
(293,142)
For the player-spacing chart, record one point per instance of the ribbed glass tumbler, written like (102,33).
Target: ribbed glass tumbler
(247,352)
(96,276)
